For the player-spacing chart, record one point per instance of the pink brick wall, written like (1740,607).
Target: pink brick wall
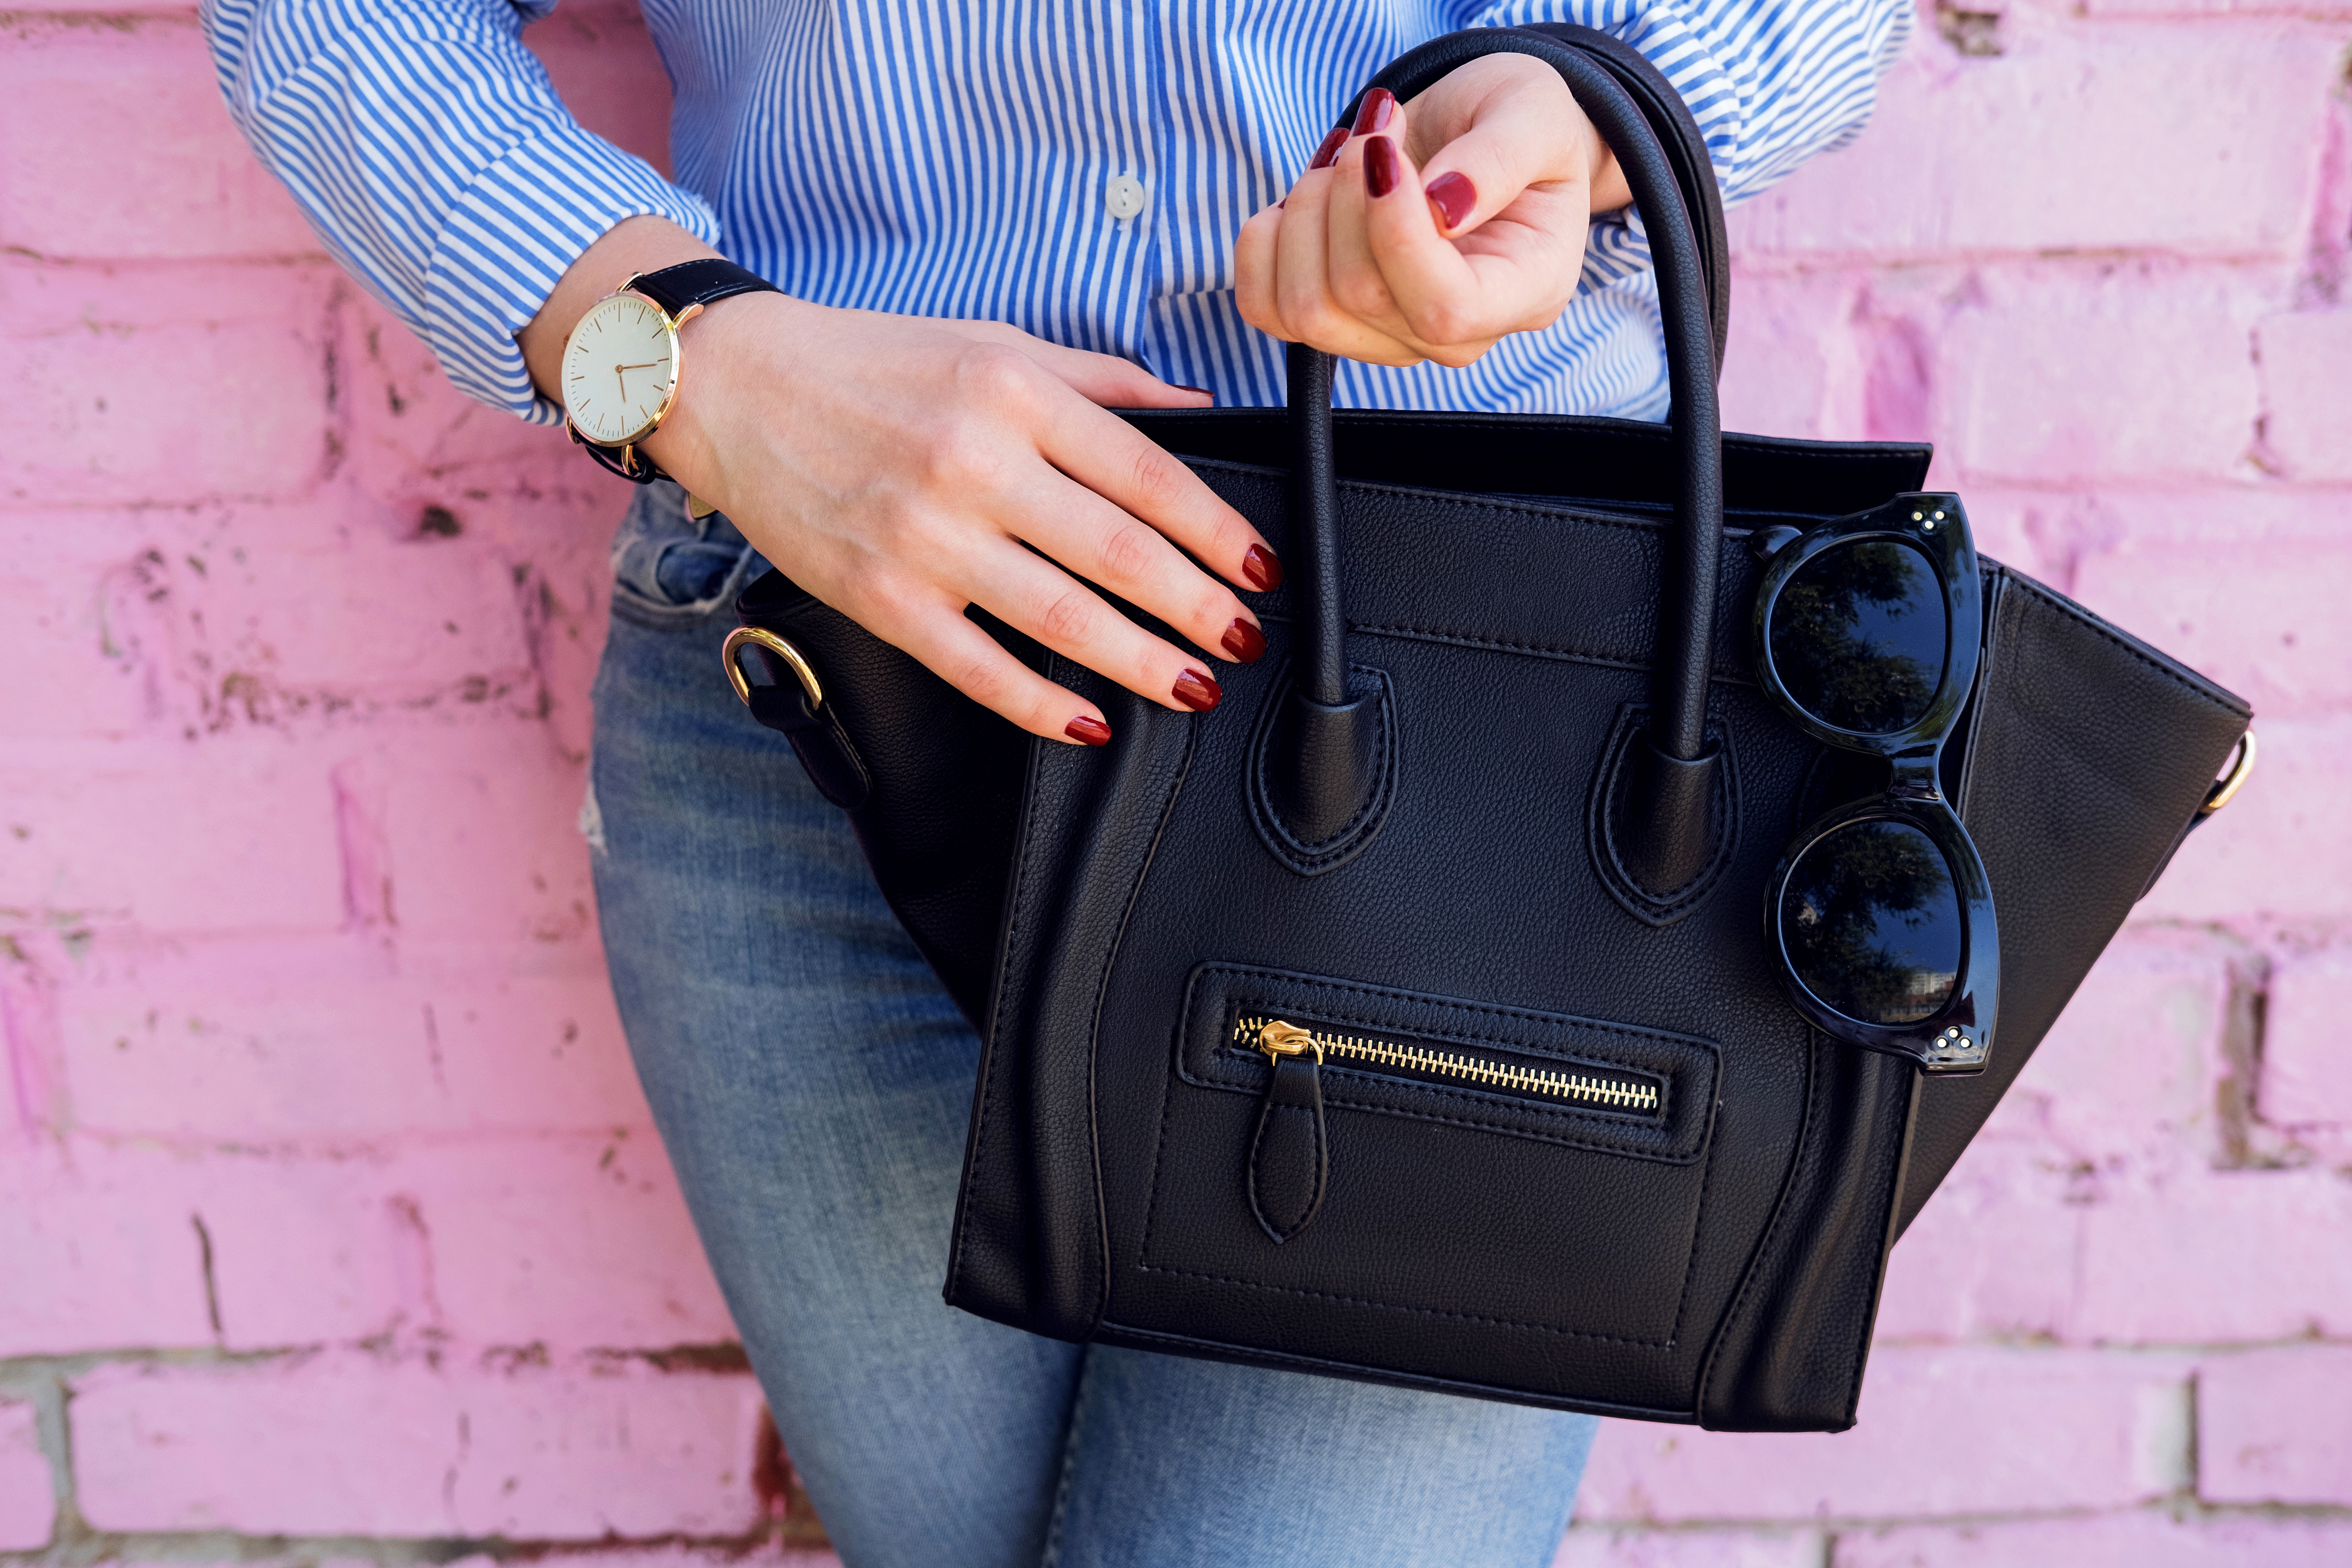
(329,1209)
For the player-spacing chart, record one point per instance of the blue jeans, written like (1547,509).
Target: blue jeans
(813,1083)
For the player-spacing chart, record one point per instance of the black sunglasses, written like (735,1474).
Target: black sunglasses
(1880,916)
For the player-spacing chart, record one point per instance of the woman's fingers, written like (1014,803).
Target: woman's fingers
(936,634)
(1034,595)
(1378,259)
(1132,497)
(1114,526)
(1304,305)
(1104,379)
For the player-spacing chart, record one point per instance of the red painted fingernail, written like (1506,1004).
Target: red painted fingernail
(1243,642)
(1380,166)
(1092,732)
(1374,112)
(1454,196)
(1328,152)
(1261,569)
(1196,691)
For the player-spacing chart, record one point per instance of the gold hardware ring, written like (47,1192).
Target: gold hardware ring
(2226,789)
(761,637)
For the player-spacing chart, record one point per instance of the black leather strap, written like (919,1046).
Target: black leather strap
(1670,832)
(1685,148)
(703,282)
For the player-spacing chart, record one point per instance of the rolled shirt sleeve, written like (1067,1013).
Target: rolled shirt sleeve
(1770,82)
(428,149)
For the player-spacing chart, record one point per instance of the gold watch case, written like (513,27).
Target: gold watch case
(630,323)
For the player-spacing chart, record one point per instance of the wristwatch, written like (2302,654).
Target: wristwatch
(620,363)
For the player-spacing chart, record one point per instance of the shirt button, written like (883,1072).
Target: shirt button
(1123,195)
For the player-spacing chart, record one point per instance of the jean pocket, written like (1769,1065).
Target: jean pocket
(671,568)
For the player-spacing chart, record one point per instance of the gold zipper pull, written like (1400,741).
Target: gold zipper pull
(1290,1164)
(1277,1037)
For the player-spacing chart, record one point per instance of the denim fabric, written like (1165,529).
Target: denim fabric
(812,1084)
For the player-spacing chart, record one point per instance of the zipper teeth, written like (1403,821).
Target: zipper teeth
(1619,1093)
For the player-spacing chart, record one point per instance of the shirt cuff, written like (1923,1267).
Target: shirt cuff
(525,219)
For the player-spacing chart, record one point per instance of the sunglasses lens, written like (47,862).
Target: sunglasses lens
(1859,633)
(1873,924)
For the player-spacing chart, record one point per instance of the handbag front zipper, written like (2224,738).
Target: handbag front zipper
(1587,1088)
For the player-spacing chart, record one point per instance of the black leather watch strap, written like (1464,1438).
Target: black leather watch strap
(703,282)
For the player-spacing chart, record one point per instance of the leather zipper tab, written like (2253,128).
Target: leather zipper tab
(1291,1157)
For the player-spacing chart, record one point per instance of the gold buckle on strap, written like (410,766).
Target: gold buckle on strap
(759,637)
(2225,789)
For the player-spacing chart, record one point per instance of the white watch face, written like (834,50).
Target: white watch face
(618,369)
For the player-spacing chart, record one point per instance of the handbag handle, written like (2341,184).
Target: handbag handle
(1331,746)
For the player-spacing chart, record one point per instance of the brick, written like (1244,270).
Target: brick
(627,1453)
(269,632)
(1777,369)
(542,1050)
(1994,1252)
(569,1241)
(417,441)
(485,843)
(228,835)
(524,1451)
(2278,851)
(2275,1425)
(28,1504)
(100,1250)
(2304,8)
(274,616)
(2290,658)
(2200,1256)
(2142,369)
(2146,1540)
(329,1040)
(2306,1073)
(255,1041)
(673,1555)
(2308,392)
(1959,157)
(1957,1430)
(161,387)
(305,1252)
(1605,1548)
(2131,1064)
(53,620)
(81,94)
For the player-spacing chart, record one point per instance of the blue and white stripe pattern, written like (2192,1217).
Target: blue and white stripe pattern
(952,158)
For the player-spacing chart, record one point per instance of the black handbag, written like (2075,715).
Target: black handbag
(1414,1017)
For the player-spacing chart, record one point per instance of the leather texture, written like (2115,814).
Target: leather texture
(1291,1157)
(700,282)
(1516,584)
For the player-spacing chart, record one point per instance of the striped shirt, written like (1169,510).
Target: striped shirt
(1078,168)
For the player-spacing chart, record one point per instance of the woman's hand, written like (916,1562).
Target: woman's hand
(902,468)
(1438,226)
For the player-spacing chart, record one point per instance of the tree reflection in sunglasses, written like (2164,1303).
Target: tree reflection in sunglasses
(1858,636)
(1871,925)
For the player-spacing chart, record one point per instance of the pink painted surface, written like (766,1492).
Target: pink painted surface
(326,1193)
(28,1503)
